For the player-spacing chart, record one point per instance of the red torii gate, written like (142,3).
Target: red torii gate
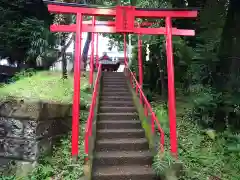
(124,23)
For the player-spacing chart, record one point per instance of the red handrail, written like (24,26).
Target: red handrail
(147,107)
(88,129)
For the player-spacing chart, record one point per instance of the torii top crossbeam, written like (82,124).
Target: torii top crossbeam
(124,18)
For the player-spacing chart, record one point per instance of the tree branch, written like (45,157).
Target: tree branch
(64,48)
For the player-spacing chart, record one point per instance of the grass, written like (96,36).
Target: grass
(44,86)
(203,157)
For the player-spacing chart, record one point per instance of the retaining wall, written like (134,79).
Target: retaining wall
(28,130)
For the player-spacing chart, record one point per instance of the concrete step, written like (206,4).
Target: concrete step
(121,76)
(113,74)
(121,148)
(136,172)
(120,133)
(116,98)
(114,85)
(123,80)
(117,103)
(115,81)
(120,84)
(115,89)
(112,158)
(118,79)
(116,93)
(118,116)
(106,109)
(113,77)
(119,124)
(124,144)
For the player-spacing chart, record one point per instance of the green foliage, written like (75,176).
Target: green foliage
(60,165)
(160,111)
(26,73)
(7,178)
(232,142)
(23,36)
(163,162)
(205,104)
(201,155)
(41,39)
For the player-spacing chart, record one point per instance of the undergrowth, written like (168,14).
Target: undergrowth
(204,152)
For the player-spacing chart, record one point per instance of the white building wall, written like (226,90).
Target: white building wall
(58,66)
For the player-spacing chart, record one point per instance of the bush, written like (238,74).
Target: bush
(203,155)
(205,104)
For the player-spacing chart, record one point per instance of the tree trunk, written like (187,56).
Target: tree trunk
(210,29)
(229,53)
(189,23)
(66,45)
(64,66)
(161,72)
(87,42)
(64,58)
(86,48)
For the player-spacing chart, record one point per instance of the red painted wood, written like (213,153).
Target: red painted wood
(105,29)
(83,10)
(159,14)
(171,89)
(88,130)
(147,105)
(125,19)
(76,94)
(125,50)
(92,54)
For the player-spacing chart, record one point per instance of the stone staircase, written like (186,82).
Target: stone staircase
(121,150)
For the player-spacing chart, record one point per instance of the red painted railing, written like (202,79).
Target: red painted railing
(88,129)
(147,107)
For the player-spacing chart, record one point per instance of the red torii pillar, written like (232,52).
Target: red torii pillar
(140,64)
(92,54)
(125,24)
(97,57)
(125,50)
(77,83)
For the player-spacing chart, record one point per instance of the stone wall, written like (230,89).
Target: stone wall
(29,129)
